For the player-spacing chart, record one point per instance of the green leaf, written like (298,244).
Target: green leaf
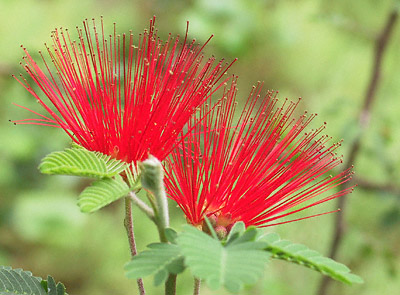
(210,228)
(237,229)
(101,193)
(81,162)
(17,281)
(171,235)
(247,236)
(160,260)
(302,255)
(53,288)
(132,174)
(230,266)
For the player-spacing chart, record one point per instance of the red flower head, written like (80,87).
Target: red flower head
(257,171)
(118,98)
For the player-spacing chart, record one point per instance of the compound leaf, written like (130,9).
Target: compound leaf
(101,193)
(230,266)
(81,162)
(237,229)
(302,255)
(18,281)
(53,288)
(160,260)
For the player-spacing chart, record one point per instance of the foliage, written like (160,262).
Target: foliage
(19,282)
(53,288)
(81,162)
(302,255)
(161,260)
(237,263)
(101,193)
(78,161)
(233,262)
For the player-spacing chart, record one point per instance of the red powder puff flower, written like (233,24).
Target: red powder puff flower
(259,170)
(118,98)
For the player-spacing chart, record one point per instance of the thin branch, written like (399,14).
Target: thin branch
(152,178)
(364,119)
(196,288)
(170,285)
(142,205)
(131,237)
(380,187)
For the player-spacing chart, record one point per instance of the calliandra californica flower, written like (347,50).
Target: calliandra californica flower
(120,98)
(259,169)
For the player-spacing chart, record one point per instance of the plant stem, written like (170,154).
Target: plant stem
(364,119)
(170,285)
(152,179)
(128,222)
(196,289)
(142,205)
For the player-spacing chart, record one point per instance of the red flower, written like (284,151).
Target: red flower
(118,98)
(261,169)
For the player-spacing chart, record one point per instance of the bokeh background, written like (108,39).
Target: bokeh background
(320,50)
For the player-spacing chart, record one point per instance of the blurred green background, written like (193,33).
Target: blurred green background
(319,50)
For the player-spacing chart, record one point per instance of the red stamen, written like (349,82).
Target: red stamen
(105,92)
(262,168)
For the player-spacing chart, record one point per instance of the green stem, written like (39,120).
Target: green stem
(161,233)
(152,179)
(142,205)
(162,205)
(196,289)
(128,222)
